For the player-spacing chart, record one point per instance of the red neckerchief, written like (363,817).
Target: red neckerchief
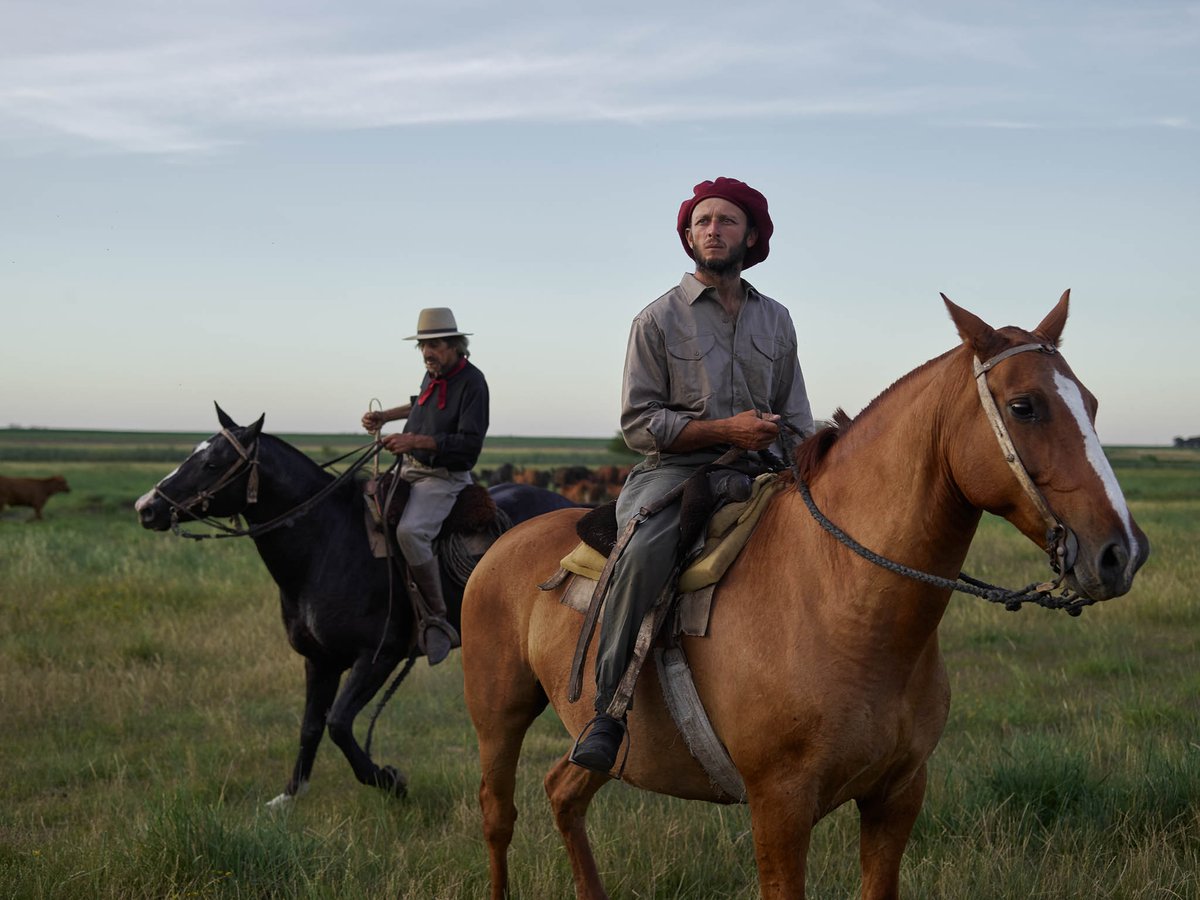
(440,383)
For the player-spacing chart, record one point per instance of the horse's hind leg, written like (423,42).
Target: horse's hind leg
(570,789)
(364,681)
(320,687)
(885,828)
(502,711)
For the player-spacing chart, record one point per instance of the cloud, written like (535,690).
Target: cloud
(153,92)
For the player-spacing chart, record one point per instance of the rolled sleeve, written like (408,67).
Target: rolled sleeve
(647,424)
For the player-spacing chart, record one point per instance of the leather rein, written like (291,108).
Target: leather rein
(1061,543)
(248,459)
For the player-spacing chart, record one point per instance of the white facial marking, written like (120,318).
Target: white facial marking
(200,447)
(1069,391)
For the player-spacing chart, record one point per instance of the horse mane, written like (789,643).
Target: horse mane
(812,454)
(304,459)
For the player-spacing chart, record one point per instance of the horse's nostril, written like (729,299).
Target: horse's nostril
(1114,558)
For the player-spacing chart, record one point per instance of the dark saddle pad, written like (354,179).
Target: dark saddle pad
(704,492)
(474,509)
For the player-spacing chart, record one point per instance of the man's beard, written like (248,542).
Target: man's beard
(731,263)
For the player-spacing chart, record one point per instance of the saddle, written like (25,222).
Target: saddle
(719,508)
(472,526)
(726,523)
(711,487)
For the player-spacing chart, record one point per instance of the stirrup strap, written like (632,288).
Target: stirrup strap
(593,614)
(575,687)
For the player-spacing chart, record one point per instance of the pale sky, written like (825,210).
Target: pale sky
(250,201)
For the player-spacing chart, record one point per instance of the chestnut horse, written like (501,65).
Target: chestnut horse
(821,673)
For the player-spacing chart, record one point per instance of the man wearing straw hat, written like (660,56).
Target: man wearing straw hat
(711,365)
(447,421)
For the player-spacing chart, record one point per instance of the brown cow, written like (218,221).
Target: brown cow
(30,492)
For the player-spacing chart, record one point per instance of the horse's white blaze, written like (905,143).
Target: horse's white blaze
(200,447)
(1069,391)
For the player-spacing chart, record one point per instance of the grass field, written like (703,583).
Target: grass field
(149,706)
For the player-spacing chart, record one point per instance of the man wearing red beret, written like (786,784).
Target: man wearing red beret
(711,365)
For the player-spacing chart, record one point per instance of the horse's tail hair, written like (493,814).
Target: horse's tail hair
(387,695)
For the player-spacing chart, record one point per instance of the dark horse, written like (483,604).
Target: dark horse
(340,608)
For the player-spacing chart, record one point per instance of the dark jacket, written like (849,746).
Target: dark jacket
(459,428)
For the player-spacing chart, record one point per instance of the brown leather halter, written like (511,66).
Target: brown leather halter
(1061,543)
(246,457)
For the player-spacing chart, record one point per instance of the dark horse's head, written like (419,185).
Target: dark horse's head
(218,480)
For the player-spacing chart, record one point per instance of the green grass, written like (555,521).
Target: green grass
(51,447)
(149,707)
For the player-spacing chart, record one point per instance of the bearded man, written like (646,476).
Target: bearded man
(711,365)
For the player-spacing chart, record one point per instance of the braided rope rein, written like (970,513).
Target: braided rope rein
(1040,594)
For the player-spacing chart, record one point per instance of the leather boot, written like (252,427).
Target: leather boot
(598,749)
(435,635)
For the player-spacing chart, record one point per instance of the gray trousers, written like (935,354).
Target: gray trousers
(432,493)
(641,573)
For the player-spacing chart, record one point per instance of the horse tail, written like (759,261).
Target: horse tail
(387,695)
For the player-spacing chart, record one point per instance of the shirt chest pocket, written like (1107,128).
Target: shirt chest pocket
(764,370)
(689,364)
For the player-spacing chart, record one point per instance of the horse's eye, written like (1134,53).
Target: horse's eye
(1022,409)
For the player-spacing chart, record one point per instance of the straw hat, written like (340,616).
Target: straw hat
(436,322)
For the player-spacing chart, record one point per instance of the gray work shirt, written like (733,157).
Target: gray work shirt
(687,359)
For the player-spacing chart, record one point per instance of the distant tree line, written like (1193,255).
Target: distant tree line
(1191,442)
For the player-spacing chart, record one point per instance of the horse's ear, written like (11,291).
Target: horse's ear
(223,417)
(253,431)
(976,333)
(1052,326)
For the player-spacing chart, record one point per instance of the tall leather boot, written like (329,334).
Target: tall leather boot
(435,635)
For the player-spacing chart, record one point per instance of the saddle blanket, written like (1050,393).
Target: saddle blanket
(727,532)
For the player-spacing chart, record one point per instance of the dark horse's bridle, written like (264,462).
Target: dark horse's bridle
(1061,543)
(248,460)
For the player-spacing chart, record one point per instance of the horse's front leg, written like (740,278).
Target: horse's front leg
(886,824)
(364,681)
(320,687)
(781,819)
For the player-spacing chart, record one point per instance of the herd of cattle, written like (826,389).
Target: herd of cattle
(579,484)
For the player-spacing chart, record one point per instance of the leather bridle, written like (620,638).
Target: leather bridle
(247,457)
(1061,543)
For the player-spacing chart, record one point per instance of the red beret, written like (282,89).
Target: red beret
(751,202)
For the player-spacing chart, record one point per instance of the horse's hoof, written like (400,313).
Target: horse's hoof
(286,799)
(393,781)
